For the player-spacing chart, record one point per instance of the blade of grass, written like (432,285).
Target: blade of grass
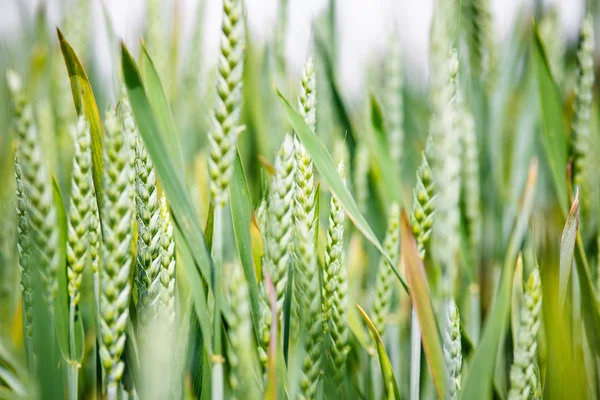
(326,167)
(478,381)
(85,104)
(421,299)
(241,215)
(567,250)
(384,361)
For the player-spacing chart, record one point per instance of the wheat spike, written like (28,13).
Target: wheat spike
(24,248)
(385,275)
(423,206)
(225,127)
(482,45)
(116,247)
(523,379)
(168,262)
(393,97)
(38,187)
(453,349)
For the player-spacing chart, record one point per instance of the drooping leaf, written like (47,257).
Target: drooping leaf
(241,215)
(386,366)
(85,104)
(478,381)
(567,250)
(328,171)
(421,299)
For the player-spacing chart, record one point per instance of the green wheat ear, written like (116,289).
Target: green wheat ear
(168,262)
(117,224)
(482,44)
(393,97)
(277,236)
(523,379)
(225,120)
(453,349)
(423,206)
(37,186)
(581,126)
(24,248)
(335,287)
(385,274)
(80,210)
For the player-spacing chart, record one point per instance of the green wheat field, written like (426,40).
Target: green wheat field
(243,234)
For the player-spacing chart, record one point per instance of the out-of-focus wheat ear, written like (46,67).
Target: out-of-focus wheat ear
(393,97)
(80,211)
(335,288)
(362,166)
(470,176)
(555,44)
(244,378)
(24,248)
(446,167)
(168,263)
(453,349)
(385,274)
(423,206)
(523,379)
(116,257)
(37,185)
(581,125)
(148,251)
(482,43)
(225,118)
(277,236)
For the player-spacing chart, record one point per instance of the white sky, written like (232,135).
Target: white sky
(363,27)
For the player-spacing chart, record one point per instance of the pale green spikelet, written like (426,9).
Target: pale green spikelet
(446,165)
(242,361)
(335,288)
(277,236)
(555,44)
(470,175)
(385,274)
(393,97)
(584,83)
(308,297)
(80,213)
(453,349)
(362,167)
(148,252)
(523,380)
(168,263)
(116,248)
(225,127)
(423,206)
(482,46)
(261,216)
(24,248)
(38,187)
(307,99)
(440,42)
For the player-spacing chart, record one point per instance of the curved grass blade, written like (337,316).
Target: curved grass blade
(567,250)
(160,106)
(478,381)
(85,104)
(61,305)
(326,167)
(241,215)
(421,300)
(386,366)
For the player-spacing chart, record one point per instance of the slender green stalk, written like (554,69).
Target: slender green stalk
(453,349)
(393,97)
(415,355)
(581,125)
(385,275)
(523,380)
(116,247)
(38,187)
(335,288)
(362,164)
(277,237)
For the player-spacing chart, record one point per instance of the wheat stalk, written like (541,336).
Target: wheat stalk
(37,185)
(117,222)
(523,380)
(385,275)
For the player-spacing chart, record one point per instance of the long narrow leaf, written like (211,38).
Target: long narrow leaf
(421,299)
(567,250)
(326,167)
